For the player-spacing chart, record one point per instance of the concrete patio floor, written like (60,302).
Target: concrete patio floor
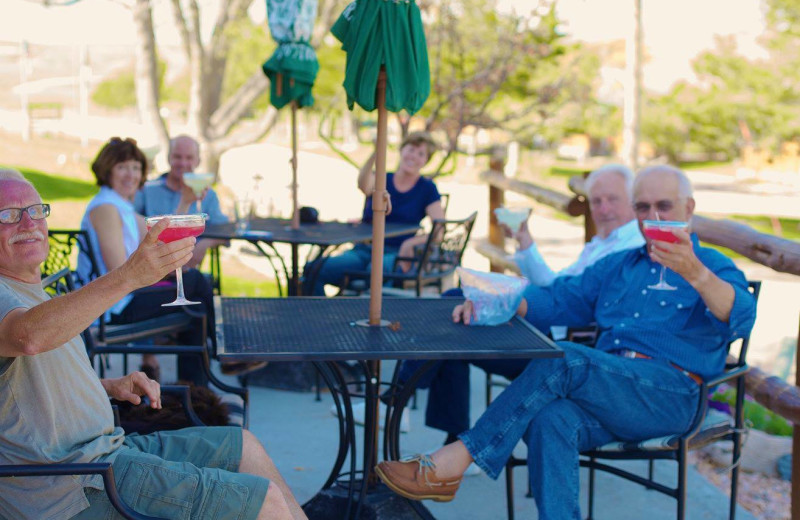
(300,434)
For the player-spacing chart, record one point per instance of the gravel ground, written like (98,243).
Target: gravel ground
(767,498)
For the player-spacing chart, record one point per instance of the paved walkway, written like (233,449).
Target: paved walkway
(301,436)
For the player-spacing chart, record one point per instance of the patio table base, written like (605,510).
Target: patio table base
(380,504)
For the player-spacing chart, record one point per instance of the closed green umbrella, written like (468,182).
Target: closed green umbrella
(387,69)
(293,67)
(386,33)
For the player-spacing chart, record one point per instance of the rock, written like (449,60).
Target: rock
(760,452)
(785,467)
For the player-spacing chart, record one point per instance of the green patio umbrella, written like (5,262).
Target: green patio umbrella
(293,67)
(387,69)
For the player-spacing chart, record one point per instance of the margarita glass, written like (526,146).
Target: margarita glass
(662,230)
(180,226)
(513,218)
(198,182)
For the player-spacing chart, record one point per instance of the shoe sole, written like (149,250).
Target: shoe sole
(405,494)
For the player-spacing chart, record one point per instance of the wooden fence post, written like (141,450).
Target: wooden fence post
(497,163)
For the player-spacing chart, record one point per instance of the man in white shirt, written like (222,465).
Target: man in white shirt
(609,190)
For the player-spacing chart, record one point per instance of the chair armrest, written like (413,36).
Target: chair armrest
(183,393)
(90,468)
(728,375)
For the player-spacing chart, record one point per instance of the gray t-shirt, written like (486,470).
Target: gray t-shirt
(52,409)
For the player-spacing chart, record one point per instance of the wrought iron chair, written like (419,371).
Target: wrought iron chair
(709,427)
(66,246)
(57,284)
(430,265)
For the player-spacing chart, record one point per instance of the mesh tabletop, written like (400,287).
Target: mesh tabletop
(324,329)
(320,233)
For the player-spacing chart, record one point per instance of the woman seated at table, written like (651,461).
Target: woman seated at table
(115,230)
(412,196)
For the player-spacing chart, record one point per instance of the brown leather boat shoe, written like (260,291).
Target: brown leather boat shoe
(415,478)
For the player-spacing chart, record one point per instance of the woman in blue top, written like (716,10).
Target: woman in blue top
(115,230)
(413,197)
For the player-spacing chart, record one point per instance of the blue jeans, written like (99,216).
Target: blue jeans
(565,405)
(333,268)
(448,404)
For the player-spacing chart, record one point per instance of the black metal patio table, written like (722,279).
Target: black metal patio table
(324,331)
(325,235)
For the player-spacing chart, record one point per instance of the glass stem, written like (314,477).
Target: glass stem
(179,280)
(660,278)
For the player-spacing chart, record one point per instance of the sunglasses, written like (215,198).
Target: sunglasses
(14,215)
(662,206)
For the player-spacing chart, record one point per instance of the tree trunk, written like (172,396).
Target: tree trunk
(147,72)
(632,105)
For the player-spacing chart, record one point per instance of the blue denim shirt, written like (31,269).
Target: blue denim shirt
(675,326)
(156,198)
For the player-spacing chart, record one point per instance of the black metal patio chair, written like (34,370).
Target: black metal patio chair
(709,427)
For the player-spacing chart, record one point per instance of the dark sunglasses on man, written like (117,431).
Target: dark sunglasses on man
(14,215)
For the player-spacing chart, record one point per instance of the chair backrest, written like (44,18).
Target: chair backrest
(58,283)
(63,244)
(445,247)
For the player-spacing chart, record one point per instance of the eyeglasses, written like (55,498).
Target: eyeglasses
(14,215)
(662,206)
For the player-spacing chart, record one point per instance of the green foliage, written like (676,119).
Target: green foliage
(117,92)
(55,187)
(755,414)
(250,47)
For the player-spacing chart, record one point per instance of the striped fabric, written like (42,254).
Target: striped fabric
(715,424)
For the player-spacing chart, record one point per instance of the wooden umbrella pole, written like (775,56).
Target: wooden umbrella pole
(378,205)
(295,209)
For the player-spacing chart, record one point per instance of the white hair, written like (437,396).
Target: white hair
(685,190)
(620,169)
(10,174)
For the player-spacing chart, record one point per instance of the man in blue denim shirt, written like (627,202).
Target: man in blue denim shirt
(641,380)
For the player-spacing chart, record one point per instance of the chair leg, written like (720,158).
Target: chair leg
(510,490)
(682,475)
(737,452)
(591,492)
(650,464)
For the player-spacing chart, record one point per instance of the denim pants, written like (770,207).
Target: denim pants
(565,405)
(448,404)
(331,270)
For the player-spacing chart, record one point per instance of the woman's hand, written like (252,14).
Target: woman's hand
(131,387)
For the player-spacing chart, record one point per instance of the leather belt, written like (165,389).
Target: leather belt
(632,354)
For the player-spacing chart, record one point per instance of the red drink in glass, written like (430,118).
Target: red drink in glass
(172,234)
(180,226)
(664,235)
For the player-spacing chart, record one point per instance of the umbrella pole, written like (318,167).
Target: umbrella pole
(378,205)
(295,209)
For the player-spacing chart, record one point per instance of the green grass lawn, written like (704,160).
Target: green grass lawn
(55,187)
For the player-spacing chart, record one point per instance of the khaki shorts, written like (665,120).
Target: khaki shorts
(182,474)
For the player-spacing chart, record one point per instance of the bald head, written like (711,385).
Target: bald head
(183,157)
(662,193)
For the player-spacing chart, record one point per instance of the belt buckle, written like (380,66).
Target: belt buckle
(630,354)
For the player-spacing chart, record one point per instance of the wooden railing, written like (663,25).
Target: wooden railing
(774,252)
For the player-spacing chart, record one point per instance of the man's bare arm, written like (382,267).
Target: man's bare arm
(26,332)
